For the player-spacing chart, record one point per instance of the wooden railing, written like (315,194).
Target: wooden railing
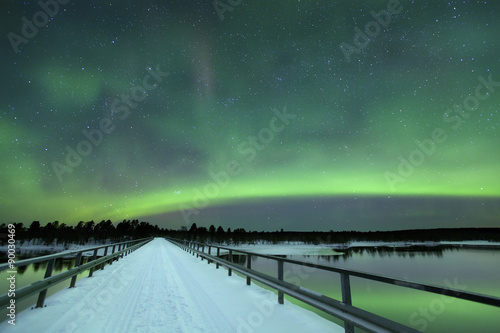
(344,310)
(118,250)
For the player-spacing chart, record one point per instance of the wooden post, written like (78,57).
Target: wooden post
(346,298)
(249,266)
(119,249)
(92,268)
(218,254)
(280,277)
(78,260)
(229,270)
(209,253)
(43,293)
(105,254)
(346,289)
(112,251)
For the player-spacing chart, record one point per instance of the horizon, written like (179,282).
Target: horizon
(278,230)
(338,213)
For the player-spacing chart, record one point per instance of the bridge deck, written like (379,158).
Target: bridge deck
(160,288)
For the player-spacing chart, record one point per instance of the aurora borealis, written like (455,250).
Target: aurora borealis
(303,115)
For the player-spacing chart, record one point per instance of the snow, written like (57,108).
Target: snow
(161,288)
(411,243)
(35,247)
(289,249)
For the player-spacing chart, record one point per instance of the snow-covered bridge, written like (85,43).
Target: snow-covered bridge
(160,288)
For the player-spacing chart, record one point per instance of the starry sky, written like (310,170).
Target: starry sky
(302,115)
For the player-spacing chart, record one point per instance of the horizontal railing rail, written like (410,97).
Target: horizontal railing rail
(41,286)
(64,254)
(343,310)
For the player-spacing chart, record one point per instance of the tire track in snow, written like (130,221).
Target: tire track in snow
(125,310)
(211,315)
(150,290)
(98,295)
(157,300)
(165,304)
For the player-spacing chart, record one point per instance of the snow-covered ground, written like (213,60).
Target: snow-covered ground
(412,243)
(288,249)
(161,288)
(34,248)
(38,245)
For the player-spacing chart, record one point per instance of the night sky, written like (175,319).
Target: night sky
(302,115)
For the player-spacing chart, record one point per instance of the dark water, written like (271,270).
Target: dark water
(475,270)
(29,274)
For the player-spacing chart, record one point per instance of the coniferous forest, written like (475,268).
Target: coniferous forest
(107,232)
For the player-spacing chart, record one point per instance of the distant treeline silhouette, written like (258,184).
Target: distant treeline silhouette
(240,235)
(106,231)
(83,232)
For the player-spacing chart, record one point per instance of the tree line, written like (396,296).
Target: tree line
(83,232)
(106,231)
(240,235)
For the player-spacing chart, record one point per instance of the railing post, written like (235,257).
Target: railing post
(78,260)
(43,293)
(112,251)
(119,249)
(229,270)
(280,277)
(202,250)
(105,254)
(218,254)
(92,268)
(209,253)
(249,266)
(345,285)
